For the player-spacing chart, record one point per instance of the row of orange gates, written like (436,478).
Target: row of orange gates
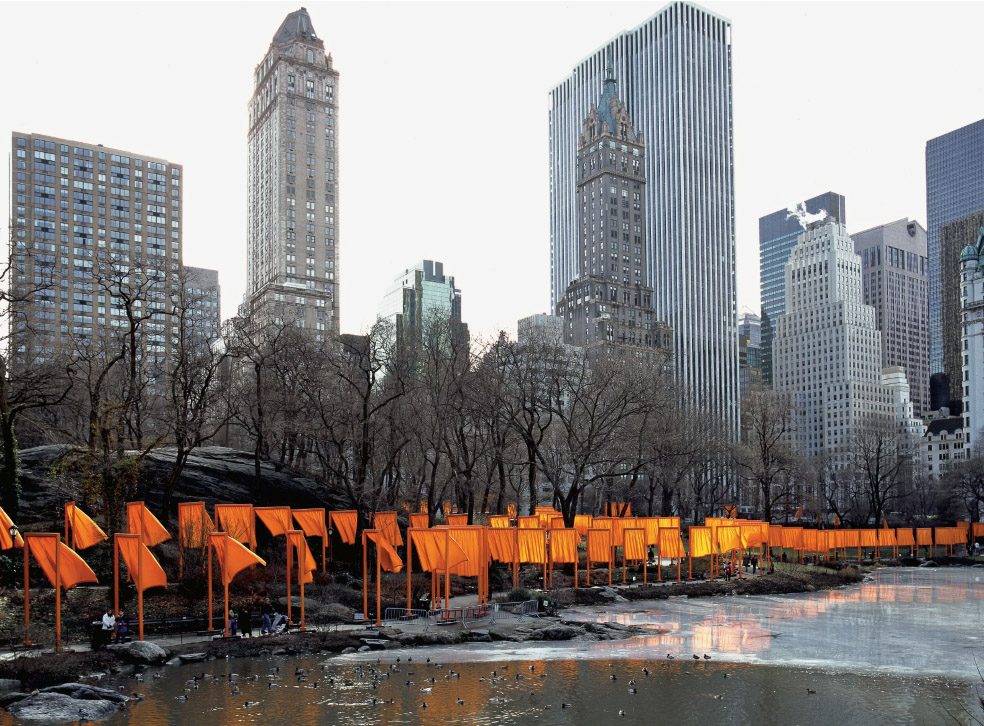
(455,548)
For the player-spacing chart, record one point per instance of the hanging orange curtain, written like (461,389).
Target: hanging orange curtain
(582,523)
(420,521)
(557,523)
(237,521)
(751,535)
(810,540)
(532,546)
(152,575)
(436,550)
(792,538)
(886,538)
(775,535)
(240,557)
(72,569)
(6,542)
(729,538)
(502,545)
(651,525)
(85,532)
(670,544)
(346,521)
(563,545)
(599,545)
(530,522)
(511,510)
(302,554)
(387,523)
(140,520)
(545,514)
(470,540)
(700,542)
(499,522)
(275,519)
(194,524)
(904,537)
(457,520)
(619,525)
(924,536)
(635,544)
(389,560)
(869,538)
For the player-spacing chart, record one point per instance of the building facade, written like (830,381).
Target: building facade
(675,76)
(421,296)
(778,233)
(954,189)
(94,230)
(540,327)
(203,297)
(749,351)
(894,269)
(827,348)
(610,304)
(954,237)
(972,269)
(293,220)
(942,445)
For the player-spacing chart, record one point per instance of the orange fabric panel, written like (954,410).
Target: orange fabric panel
(978,529)
(194,524)
(700,542)
(420,520)
(582,523)
(457,520)
(532,546)
(792,537)
(237,521)
(72,569)
(143,568)
(775,535)
(869,538)
(387,523)
(85,532)
(275,519)
(619,525)
(635,543)
(545,514)
(949,536)
(437,550)
(729,538)
(964,526)
(389,560)
(239,556)
(599,545)
(670,543)
(556,522)
(904,537)
(140,520)
(470,540)
(669,522)
(563,545)
(303,557)
(502,544)
(511,510)
(886,537)
(651,525)
(531,522)
(810,540)
(6,542)
(312,523)
(924,536)
(499,522)
(751,535)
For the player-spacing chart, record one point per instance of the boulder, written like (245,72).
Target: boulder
(364,648)
(436,637)
(479,636)
(140,651)
(58,707)
(346,651)
(335,612)
(557,632)
(929,563)
(193,657)
(85,692)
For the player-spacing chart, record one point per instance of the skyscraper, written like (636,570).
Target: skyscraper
(292,235)
(203,296)
(421,295)
(827,348)
(972,273)
(94,230)
(778,233)
(674,71)
(894,275)
(749,351)
(954,189)
(610,303)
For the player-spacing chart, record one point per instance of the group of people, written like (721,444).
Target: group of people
(115,628)
(271,622)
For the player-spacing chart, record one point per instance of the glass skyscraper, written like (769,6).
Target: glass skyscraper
(674,74)
(778,233)
(954,190)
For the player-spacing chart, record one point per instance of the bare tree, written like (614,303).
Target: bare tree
(882,460)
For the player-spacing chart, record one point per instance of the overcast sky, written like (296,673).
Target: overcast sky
(443,113)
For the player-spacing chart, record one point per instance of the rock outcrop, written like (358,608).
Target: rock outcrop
(69,702)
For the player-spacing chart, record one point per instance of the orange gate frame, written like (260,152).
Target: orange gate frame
(57,584)
(197,539)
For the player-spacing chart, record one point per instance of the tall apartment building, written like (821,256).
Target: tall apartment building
(894,269)
(419,295)
(540,327)
(749,351)
(954,237)
(954,189)
(675,75)
(827,348)
(610,303)
(91,227)
(203,295)
(292,235)
(972,279)
(778,233)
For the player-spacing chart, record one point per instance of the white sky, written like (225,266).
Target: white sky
(443,113)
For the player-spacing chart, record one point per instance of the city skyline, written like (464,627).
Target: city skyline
(886,182)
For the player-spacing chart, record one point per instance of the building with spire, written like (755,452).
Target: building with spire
(610,303)
(293,220)
(674,70)
(972,274)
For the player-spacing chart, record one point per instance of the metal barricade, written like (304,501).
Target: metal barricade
(404,615)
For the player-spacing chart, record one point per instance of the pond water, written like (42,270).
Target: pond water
(896,650)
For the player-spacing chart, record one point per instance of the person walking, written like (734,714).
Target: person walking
(122,627)
(246,623)
(266,611)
